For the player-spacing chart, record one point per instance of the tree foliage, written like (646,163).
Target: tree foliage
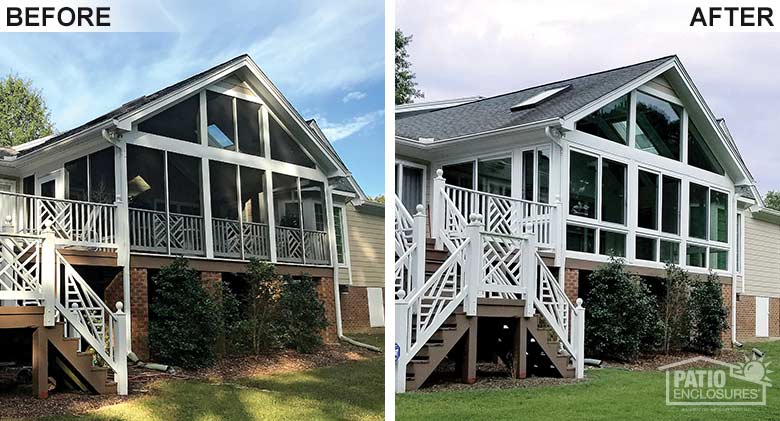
(772,200)
(301,315)
(405,85)
(676,322)
(184,322)
(708,315)
(621,319)
(24,115)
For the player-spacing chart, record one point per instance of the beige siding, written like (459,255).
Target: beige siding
(762,258)
(366,235)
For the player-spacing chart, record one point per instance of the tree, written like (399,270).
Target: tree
(24,115)
(772,200)
(405,86)
(708,315)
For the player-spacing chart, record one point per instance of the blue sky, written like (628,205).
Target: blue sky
(327,57)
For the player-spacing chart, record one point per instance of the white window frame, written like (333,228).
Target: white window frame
(399,178)
(344,234)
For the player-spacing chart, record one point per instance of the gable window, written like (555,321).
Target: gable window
(583,172)
(248,126)
(179,122)
(647,212)
(670,209)
(658,126)
(284,148)
(699,154)
(219,114)
(613,192)
(609,122)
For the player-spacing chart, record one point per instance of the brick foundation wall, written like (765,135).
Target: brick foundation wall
(571,284)
(114,292)
(325,293)
(746,317)
(212,283)
(354,311)
(725,336)
(139,312)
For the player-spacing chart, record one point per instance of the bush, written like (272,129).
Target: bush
(262,307)
(675,309)
(708,315)
(302,315)
(184,321)
(621,316)
(237,331)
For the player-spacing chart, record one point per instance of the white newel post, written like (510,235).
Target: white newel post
(437,207)
(556,230)
(473,264)
(48,276)
(401,340)
(120,350)
(578,339)
(528,256)
(418,256)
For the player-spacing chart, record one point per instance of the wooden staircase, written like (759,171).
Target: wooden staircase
(544,336)
(435,350)
(97,379)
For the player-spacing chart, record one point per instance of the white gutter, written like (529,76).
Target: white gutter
(449,141)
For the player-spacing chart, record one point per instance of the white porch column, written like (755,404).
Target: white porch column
(578,339)
(48,269)
(269,198)
(437,207)
(528,269)
(123,229)
(418,256)
(208,234)
(473,264)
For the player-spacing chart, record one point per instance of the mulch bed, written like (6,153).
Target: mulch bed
(19,402)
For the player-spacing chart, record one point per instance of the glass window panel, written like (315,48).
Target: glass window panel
(184,184)
(337,215)
(697,204)
(286,202)
(696,256)
(461,175)
(543,176)
(177,122)
(284,148)
(699,153)
(609,122)
(647,212)
(582,185)
(658,126)
(49,189)
(221,129)
(528,175)
(719,216)
(102,184)
(145,178)
(224,192)
(580,239)
(28,185)
(248,114)
(670,205)
(412,188)
(76,179)
(739,243)
(719,259)
(253,202)
(670,252)
(495,176)
(645,248)
(313,205)
(613,191)
(612,243)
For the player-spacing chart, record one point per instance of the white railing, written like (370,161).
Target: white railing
(73,222)
(409,248)
(420,315)
(33,272)
(452,222)
(502,265)
(289,244)
(153,231)
(227,238)
(316,247)
(403,228)
(256,240)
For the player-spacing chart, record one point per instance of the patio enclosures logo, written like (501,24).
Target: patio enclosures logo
(718,384)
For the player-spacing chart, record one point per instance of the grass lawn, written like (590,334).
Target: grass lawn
(606,395)
(353,390)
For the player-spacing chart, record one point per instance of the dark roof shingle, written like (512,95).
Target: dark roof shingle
(494,113)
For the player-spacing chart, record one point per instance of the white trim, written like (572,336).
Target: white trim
(399,178)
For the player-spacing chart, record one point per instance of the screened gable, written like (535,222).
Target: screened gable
(284,148)
(177,122)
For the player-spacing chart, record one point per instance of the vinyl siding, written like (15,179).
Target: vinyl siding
(366,235)
(762,258)
(661,84)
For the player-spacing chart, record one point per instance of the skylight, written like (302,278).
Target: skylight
(541,96)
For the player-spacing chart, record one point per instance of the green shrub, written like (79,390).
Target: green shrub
(674,311)
(262,307)
(621,316)
(302,315)
(708,315)
(237,331)
(184,322)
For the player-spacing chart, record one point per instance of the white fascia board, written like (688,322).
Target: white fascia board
(88,133)
(673,63)
(438,144)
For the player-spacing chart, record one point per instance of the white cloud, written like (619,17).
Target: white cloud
(353,96)
(341,130)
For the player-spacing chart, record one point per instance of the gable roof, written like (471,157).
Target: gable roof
(495,113)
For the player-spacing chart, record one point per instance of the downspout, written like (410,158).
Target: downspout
(335,262)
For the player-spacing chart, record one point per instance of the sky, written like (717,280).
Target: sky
(461,48)
(327,58)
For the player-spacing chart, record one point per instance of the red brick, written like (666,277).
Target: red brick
(354,311)
(571,283)
(325,293)
(139,312)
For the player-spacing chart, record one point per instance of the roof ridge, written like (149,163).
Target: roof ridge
(556,82)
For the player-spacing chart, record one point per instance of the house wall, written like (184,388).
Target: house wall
(762,257)
(366,233)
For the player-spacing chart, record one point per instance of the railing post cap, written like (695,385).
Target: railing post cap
(529,227)
(440,174)
(579,303)
(119,306)
(420,208)
(475,218)
(401,294)
(557,199)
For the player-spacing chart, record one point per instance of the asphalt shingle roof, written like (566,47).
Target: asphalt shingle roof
(494,113)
